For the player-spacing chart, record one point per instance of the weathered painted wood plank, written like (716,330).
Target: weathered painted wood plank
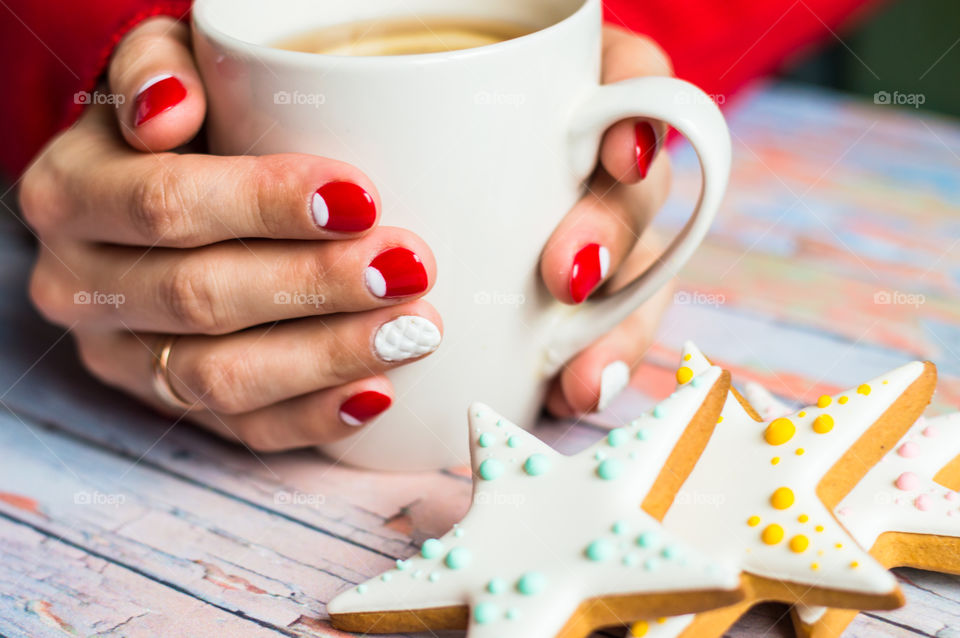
(49,588)
(214,548)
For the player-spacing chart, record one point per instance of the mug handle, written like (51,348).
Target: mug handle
(687,109)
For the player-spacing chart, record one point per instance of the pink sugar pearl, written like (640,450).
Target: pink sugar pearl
(908,481)
(908,450)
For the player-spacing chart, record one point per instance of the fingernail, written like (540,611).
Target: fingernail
(156,96)
(397,272)
(646,146)
(406,337)
(613,379)
(590,266)
(362,407)
(343,206)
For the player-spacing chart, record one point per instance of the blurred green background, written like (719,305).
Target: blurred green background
(906,46)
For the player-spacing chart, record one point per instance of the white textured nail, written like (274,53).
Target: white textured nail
(604,256)
(613,380)
(321,214)
(405,338)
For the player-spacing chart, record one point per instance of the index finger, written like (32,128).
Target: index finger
(99,190)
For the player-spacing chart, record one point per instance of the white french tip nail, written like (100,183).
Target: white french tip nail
(321,214)
(157,78)
(349,420)
(604,256)
(406,337)
(375,281)
(613,380)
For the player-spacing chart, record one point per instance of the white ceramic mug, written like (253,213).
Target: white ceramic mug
(481,152)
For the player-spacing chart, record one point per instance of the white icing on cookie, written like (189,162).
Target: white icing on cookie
(899,494)
(771,519)
(766,405)
(547,531)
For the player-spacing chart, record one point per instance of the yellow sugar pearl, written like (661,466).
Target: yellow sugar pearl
(801,413)
(864,390)
(782,498)
(823,424)
(639,628)
(684,375)
(800,451)
(885,382)
(720,419)
(753,521)
(772,534)
(779,431)
(774,460)
(661,620)
(803,518)
(839,545)
(799,544)
(842,400)
(819,528)
(814,566)
(824,400)
(687,357)
(854,564)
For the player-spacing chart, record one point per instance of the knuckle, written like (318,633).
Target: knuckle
(48,297)
(315,272)
(35,200)
(220,382)
(95,360)
(269,178)
(188,297)
(156,210)
(655,55)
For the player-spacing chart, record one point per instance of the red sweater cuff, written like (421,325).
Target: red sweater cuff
(49,52)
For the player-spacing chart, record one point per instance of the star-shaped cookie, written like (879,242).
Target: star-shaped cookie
(906,510)
(776,483)
(557,545)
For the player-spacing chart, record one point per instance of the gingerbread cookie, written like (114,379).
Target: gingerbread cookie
(779,481)
(557,545)
(906,510)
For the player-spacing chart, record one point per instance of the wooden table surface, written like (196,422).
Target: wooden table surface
(834,259)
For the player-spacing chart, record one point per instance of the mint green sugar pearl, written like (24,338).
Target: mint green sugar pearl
(609,469)
(485,613)
(458,558)
(491,469)
(536,464)
(431,548)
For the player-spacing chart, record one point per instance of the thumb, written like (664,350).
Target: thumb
(164,103)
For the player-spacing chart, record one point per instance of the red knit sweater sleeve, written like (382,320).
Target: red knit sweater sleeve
(51,50)
(720,45)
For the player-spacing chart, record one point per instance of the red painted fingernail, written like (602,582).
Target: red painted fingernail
(362,407)
(343,206)
(157,96)
(646,146)
(590,266)
(397,272)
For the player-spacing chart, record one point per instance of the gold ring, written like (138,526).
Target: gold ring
(161,375)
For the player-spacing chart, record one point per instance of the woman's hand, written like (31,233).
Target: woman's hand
(604,243)
(142,242)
